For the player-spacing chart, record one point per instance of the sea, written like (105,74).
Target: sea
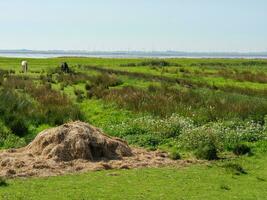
(33,54)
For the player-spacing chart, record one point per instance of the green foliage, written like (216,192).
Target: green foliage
(80,94)
(4,132)
(202,105)
(241,149)
(23,104)
(34,130)
(186,103)
(17,110)
(148,131)
(13,141)
(157,63)
(105,81)
(184,133)
(174,154)
(206,152)
(198,137)
(8,139)
(148,141)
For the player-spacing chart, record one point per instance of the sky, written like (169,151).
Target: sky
(149,25)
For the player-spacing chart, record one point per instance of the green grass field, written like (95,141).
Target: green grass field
(209,109)
(211,181)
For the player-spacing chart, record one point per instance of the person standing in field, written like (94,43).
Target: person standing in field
(65,67)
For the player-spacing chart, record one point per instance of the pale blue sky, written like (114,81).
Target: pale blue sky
(184,25)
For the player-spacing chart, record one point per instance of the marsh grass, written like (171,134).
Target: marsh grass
(164,100)
(23,102)
(151,63)
(245,75)
(186,80)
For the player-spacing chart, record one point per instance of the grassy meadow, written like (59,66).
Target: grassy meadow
(208,109)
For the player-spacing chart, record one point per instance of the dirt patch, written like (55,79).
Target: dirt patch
(76,147)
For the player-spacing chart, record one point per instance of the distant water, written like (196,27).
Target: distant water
(129,55)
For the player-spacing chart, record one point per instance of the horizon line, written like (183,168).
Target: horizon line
(128,51)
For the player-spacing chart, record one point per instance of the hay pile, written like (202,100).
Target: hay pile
(77,140)
(74,147)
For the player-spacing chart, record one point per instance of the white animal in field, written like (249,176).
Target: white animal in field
(24,66)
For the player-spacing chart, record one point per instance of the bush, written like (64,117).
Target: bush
(148,140)
(174,155)
(19,126)
(13,141)
(105,81)
(8,139)
(34,131)
(199,137)
(4,132)
(207,152)
(135,130)
(185,134)
(241,149)
(34,105)
(160,63)
(17,110)
(55,108)
(88,86)
(79,94)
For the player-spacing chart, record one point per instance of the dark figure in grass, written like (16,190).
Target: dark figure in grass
(65,68)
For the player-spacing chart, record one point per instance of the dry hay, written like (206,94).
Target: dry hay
(75,147)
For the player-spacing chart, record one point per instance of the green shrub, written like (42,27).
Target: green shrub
(88,86)
(13,141)
(105,81)
(55,108)
(135,130)
(17,110)
(173,131)
(34,131)
(199,137)
(19,126)
(206,152)
(174,154)
(148,140)
(4,132)
(160,63)
(8,139)
(186,134)
(23,103)
(79,94)
(241,149)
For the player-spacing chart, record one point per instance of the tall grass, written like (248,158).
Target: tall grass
(185,81)
(258,77)
(155,63)
(202,105)
(24,103)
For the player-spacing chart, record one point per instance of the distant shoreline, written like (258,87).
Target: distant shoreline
(131,54)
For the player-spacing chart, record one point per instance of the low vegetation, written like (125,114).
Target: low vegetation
(206,109)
